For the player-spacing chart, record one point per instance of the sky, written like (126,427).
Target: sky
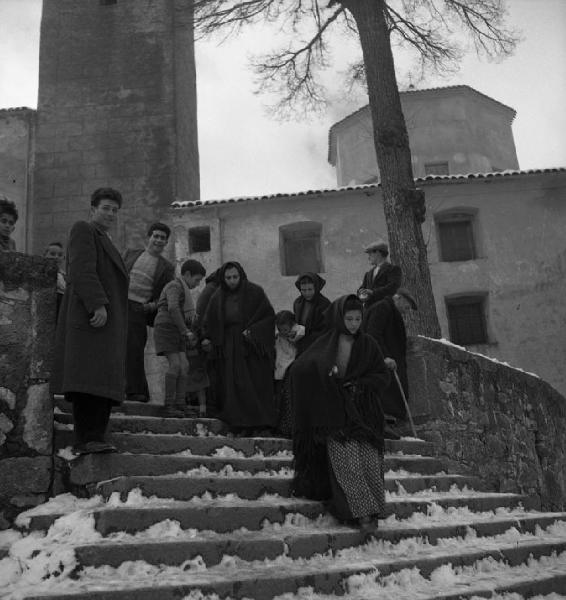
(245,151)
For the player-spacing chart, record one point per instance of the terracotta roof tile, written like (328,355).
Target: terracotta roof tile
(371,186)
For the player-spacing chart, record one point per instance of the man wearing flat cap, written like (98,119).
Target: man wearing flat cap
(384,322)
(383,279)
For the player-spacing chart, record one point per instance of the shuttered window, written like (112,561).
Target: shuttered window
(456,238)
(466,320)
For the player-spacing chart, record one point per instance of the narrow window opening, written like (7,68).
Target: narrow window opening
(300,248)
(199,239)
(467,320)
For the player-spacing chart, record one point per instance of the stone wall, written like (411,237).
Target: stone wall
(27,310)
(500,423)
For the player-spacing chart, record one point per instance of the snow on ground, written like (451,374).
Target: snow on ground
(48,571)
(453,492)
(490,358)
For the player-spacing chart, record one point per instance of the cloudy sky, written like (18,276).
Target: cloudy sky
(245,152)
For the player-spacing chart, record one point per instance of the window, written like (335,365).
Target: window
(199,239)
(456,239)
(436,168)
(299,245)
(466,319)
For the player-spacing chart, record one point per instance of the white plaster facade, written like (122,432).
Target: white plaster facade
(520,219)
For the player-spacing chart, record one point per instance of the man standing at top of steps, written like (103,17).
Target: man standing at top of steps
(149,274)
(383,279)
(90,343)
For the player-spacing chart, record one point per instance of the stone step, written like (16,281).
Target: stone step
(159,443)
(127,408)
(138,443)
(225,514)
(264,581)
(295,542)
(147,424)
(252,487)
(90,469)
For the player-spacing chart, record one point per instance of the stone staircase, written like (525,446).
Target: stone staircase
(186,511)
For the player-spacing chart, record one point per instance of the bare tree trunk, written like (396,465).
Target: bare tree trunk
(403,203)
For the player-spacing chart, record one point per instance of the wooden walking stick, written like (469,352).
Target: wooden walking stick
(405,402)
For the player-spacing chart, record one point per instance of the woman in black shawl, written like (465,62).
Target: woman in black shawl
(240,324)
(309,308)
(338,422)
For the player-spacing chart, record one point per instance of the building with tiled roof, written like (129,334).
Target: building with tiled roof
(452,130)
(495,244)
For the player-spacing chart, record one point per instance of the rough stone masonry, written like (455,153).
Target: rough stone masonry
(27,320)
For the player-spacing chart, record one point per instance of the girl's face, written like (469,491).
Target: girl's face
(353,320)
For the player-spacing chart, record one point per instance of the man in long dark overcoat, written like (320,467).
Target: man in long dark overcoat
(383,279)
(90,345)
(384,322)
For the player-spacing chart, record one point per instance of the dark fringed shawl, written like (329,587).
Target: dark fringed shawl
(326,406)
(257,314)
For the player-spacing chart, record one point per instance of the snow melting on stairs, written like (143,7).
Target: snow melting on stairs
(45,561)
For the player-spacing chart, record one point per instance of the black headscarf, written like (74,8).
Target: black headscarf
(222,272)
(258,316)
(315,323)
(313,278)
(326,405)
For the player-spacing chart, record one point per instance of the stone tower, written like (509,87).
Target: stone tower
(117,107)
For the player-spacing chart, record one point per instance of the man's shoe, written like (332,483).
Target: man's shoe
(137,398)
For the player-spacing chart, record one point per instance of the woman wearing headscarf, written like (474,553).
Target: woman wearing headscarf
(338,423)
(239,324)
(309,308)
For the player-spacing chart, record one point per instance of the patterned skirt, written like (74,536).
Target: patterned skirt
(356,472)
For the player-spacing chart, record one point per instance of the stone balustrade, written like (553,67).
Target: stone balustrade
(504,425)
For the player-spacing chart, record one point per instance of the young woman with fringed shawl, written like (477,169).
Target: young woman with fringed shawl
(240,324)
(309,309)
(338,423)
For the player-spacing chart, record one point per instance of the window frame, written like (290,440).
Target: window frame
(191,238)
(457,215)
(299,231)
(469,298)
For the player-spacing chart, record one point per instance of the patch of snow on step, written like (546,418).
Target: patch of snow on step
(438,515)
(63,503)
(401,585)
(229,471)
(66,453)
(453,492)
(47,559)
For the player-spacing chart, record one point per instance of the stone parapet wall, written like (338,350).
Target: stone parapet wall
(27,321)
(500,423)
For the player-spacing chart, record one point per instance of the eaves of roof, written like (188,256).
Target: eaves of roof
(429,179)
(17,109)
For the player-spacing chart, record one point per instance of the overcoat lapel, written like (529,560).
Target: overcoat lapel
(111,250)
